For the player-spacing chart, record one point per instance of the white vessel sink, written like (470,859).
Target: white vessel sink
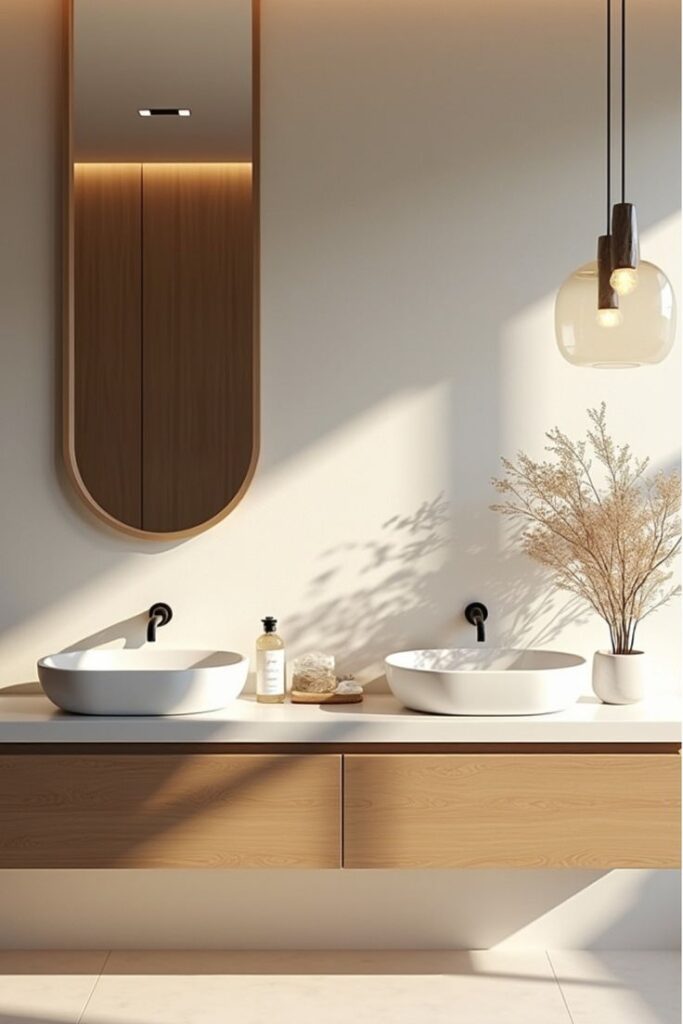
(486,681)
(148,681)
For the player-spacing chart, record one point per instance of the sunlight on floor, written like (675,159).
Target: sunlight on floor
(567,987)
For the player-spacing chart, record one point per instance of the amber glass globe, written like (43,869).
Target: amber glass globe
(643,333)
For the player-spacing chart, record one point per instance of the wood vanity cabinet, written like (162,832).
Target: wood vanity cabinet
(512,810)
(149,807)
(159,810)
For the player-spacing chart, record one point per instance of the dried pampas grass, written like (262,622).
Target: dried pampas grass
(606,531)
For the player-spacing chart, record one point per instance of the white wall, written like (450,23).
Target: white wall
(431,172)
(339,909)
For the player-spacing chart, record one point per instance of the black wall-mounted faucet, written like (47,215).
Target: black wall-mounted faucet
(477,614)
(159,614)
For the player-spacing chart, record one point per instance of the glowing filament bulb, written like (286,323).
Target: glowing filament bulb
(609,317)
(624,280)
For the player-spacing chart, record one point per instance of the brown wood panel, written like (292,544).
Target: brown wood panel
(198,341)
(507,810)
(107,336)
(170,811)
(204,747)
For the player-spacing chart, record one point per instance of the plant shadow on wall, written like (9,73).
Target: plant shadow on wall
(405,591)
(396,580)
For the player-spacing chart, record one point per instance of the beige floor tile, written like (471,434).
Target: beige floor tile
(620,987)
(46,987)
(336,988)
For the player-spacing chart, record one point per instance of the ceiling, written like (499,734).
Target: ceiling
(132,54)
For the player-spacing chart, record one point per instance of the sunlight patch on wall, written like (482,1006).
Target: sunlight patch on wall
(343,543)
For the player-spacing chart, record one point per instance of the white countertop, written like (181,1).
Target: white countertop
(31,718)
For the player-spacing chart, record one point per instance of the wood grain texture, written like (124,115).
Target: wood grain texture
(507,810)
(198,330)
(170,811)
(107,336)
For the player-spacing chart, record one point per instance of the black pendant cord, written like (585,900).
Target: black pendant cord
(609,114)
(623,101)
(607,297)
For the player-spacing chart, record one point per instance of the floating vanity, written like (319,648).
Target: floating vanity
(366,786)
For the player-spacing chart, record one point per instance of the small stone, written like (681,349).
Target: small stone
(348,686)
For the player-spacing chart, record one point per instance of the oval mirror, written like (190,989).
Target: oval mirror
(161,346)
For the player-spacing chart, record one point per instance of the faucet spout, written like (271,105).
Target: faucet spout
(477,614)
(159,614)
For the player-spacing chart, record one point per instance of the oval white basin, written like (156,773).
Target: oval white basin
(486,681)
(148,681)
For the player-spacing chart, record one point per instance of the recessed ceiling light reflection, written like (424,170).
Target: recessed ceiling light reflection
(165,112)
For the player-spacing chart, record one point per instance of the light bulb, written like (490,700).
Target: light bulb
(608,317)
(624,280)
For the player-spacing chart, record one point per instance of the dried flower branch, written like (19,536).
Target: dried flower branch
(607,533)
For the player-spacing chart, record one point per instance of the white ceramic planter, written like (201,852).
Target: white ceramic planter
(619,678)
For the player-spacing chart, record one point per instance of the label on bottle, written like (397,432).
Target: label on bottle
(270,672)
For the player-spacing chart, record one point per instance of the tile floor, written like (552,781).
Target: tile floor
(487,987)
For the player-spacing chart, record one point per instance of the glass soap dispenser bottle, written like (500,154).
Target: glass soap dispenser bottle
(270,664)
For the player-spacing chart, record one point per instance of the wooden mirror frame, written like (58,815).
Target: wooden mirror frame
(68,296)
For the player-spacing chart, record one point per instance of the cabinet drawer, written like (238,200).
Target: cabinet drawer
(170,811)
(511,810)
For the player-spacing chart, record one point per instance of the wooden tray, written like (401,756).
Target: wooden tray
(304,697)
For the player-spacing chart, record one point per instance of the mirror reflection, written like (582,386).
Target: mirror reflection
(161,368)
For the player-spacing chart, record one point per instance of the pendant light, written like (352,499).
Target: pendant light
(618,311)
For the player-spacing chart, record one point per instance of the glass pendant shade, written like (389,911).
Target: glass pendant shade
(643,332)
